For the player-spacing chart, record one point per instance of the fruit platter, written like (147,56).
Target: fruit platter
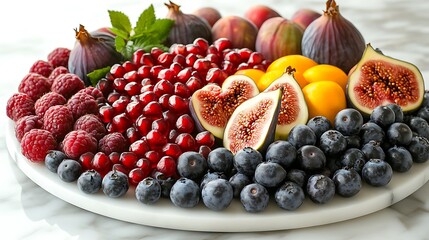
(200,117)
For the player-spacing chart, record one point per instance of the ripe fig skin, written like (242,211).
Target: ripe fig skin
(210,14)
(279,37)
(239,30)
(304,16)
(258,14)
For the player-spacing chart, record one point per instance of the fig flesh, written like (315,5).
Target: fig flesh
(212,105)
(293,109)
(379,80)
(253,122)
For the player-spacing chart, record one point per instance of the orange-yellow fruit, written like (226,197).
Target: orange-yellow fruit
(326,72)
(299,62)
(267,79)
(324,98)
(254,74)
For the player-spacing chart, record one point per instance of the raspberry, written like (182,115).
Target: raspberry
(59,57)
(25,124)
(46,101)
(58,120)
(57,71)
(36,143)
(41,67)
(112,142)
(19,105)
(78,142)
(67,84)
(91,124)
(95,93)
(81,104)
(34,85)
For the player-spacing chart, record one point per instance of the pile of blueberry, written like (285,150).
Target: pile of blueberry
(318,160)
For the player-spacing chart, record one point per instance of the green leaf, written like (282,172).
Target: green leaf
(161,28)
(120,21)
(98,74)
(145,20)
(120,33)
(120,43)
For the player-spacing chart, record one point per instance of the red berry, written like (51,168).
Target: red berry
(113,96)
(78,142)
(120,105)
(56,72)
(167,74)
(170,117)
(139,147)
(194,49)
(244,53)
(167,166)
(134,109)
(132,88)
(25,124)
(81,104)
(156,52)
(154,71)
(42,67)
(59,57)
(119,84)
(128,159)
(19,105)
(255,58)
(147,60)
(233,57)
(36,143)
(194,84)
(163,100)
(202,65)
(67,84)
(180,59)
(34,85)
(58,120)
(105,86)
(112,142)
(95,93)
(202,43)
(91,124)
(222,44)
(137,55)
(186,142)
(185,124)
(205,138)
(175,68)
(129,66)
(190,59)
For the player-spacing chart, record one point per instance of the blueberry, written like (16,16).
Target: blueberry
(347,182)
(281,152)
(69,170)
(423,112)
(53,159)
(420,126)
(399,134)
(320,188)
(191,165)
(220,160)
(115,184)
(269,174)
(377,172)
(399,114)
(217,194)
(289,196)
(254,197)
(246,160)
(301,135)
(353,141)
(148,191)
(332,142)
(353,158)
(371,131)
(419,149)
(332,165)
(185,193)
(166,184)
(210,176)
(310,158)
(399,158)
(425,102)
(348,121)
(238,181)
(382,116)
(89,181)
(319,125)
(372,149)
(297,176)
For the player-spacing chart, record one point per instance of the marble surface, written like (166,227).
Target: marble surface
(30,32)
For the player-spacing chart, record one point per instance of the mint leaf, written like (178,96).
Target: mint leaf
(146,19)
(120,43)
(120,21)
(98,74)
(120,33)
(161,28)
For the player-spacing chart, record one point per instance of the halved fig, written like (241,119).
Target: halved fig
(293,109)
(379,80)
(253,123)
(212,106)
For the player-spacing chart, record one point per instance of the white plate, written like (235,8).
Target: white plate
(234,219)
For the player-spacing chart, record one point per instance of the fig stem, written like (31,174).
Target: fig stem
(332,8)
(173,7)
(83,35)
(290,70)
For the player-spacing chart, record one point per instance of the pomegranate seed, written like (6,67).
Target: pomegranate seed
(145,165)
(186,142)
(212,50)
(190,59)
(86,160)
(104,86)
(153,157)
(202,43)
(255,58)
(101,162)
(147,60)
(106,113)
(194,49)
(170,117)
(204,150)
(205,138)
(156,52)
(180,59)
(163,87)
(228,67)
(143,124)
(154,71)
(156,138)
(177,104)
(121,122)
(214,75)
(178,48)
(163,100)
(194,84)
(114,157)
(185,124)
(144,72)
(213,58)
(132,134)
(202,65)
(167,166)
(134,109)
(132,88)
(180,89)
(135,176)
(161,125)
(113,96)
(184,75)
(243,66)
(165,59)
(172,149)
(196,74)
(109,128)
(147,88)
(260,67)
(119,84)
(131,76)
(139,147)
(244,53)
(128,159)
(117,71)
(222,43)
(120,168)
(176,68)
(233,57)
(153,109)
(120,105)
(266,63)
(172,135)
(129,66)
(137,56)
(147,97)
